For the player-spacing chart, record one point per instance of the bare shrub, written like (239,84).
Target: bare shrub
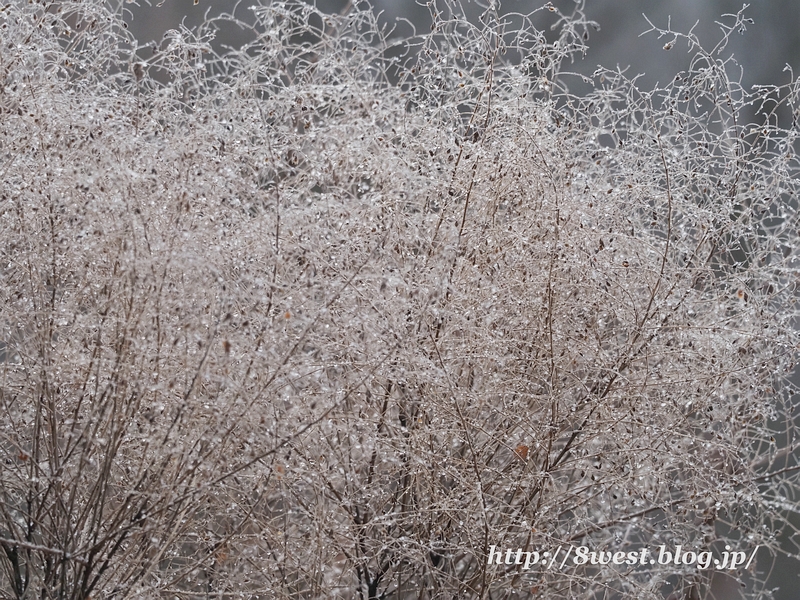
(304,320)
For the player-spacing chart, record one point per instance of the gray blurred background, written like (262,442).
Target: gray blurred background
(768,45)
(763,51)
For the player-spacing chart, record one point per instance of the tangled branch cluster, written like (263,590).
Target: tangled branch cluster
(330,314)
